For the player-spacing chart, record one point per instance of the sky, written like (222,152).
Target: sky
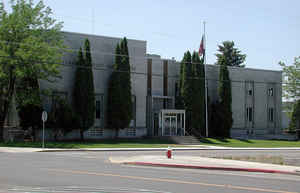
(267,31)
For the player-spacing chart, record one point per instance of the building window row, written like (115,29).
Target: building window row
(270,92)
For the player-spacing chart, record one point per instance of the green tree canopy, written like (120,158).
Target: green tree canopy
(29,104)
(295,121)
(30,46)
(291,80)
(229,55)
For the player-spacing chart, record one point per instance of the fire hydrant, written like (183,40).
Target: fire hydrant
(169,153)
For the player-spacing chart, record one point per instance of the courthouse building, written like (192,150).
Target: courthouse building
(256,93)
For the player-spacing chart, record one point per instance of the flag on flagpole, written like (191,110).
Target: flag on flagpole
(202,49)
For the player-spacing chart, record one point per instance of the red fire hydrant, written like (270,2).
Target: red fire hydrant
(169,153)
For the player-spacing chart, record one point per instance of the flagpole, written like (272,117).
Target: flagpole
(206,89)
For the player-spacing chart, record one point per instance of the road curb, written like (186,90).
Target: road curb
(124,149)
(164,149)
(212,168)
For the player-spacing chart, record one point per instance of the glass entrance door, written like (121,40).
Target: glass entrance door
(170,126)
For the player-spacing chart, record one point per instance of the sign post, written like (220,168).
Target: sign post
(44,119)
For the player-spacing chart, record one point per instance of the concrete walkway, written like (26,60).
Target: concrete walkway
(19,149)
(186,148)
(206,163)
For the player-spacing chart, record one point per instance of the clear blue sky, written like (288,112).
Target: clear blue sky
(267,31)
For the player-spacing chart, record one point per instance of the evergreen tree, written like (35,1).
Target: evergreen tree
(114,94)
(231,55)
(125,80)
(83,93)
(225,100)
(179,104)
(90,88)
(187,88)
(198,100)
(119,90)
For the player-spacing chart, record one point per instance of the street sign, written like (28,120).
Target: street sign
(44,116)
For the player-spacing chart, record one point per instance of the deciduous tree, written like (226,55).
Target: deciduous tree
(30,46)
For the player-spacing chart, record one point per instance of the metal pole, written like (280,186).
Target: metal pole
(43,134)
(206,89)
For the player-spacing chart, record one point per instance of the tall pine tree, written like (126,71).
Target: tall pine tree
(84,93)
(198,100)
(119,90)
(188,88)
(179,103)
(225,100)
(232,55)
(114,94)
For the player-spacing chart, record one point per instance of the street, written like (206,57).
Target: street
(92,171)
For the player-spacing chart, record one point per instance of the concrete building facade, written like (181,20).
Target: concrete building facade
(256,94)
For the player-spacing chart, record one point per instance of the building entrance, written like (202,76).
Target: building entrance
(172,122)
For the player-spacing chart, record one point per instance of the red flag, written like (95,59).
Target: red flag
(202,49)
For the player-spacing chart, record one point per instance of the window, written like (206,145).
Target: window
(250,92)
(98,109)
(249,88)
(270,92)
(99,113)
(249,116)
(271,114)
(176,89)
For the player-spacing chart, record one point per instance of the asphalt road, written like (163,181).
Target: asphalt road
(92,172)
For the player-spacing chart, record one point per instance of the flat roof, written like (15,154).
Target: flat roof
(94,35)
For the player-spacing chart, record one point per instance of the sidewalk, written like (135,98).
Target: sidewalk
(19,149)
(29,149)
(187,148)
(193,162)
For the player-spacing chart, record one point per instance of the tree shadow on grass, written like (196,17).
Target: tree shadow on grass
(205,140)
(245,140)
(223,140)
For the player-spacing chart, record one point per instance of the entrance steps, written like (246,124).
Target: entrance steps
(184,140)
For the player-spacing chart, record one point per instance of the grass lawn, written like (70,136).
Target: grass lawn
(249,143)
(152,143)
(105,143)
